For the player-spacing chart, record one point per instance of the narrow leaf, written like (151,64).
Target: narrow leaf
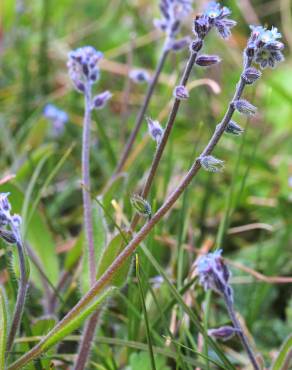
(114,248)
(284,357)
(99,238)
(3,329)
(76,322)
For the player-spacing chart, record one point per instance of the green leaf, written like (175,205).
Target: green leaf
(141,361)
(113,191)
(149,338)
(284,358)
(100,239)
(43,325)
(73,256)
(28,167)
(114,248)
(3,329)
(76,322)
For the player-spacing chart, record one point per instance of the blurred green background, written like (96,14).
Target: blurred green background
(247,209)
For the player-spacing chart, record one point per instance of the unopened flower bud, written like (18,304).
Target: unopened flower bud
(207,60)
(202,25)
(155,130)
(5,208)
(178,45)
(79,85)
(224,332)
(233,128)
(141,205)
(4,202)
(100,100)
(139,76)
(250,75)
(196,45)
(211,164)
(244,107)
(16,220)
(181,93)
(8,236)
(276,45)
(250,51)
(214,274)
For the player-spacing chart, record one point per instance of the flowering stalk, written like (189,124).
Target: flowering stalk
(10,232)
(254,45)
(86,182)
(240,332)
(215,275)
(214,16)
(142,111)
(84,72)
(172,13)
(21,295)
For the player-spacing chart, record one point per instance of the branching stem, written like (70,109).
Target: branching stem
(143,109)
(105,279)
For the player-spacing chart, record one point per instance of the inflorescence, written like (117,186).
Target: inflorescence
(84,72)
(10,225)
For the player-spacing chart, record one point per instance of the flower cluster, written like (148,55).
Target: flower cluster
(264,46)
(57,117)
(214,16)
(173,13)
(83,67)
(214,274)
(84,72)
(9,224)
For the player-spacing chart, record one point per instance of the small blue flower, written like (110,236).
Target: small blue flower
(213,10)
(57,117)
(218,17)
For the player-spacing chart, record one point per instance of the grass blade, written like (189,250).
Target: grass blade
(149,340)
(3,329)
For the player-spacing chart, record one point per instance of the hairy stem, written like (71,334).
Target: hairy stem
(85,346)
(142,111)
(167,131)
(86,340)
(21,294)
(86,184)
(240,333)
(105,279)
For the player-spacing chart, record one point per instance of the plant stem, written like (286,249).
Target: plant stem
(85,346)
(167,131)
(104,280)
(240,333)
(142,111)
(21,294)
(86,183)
(89,329)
